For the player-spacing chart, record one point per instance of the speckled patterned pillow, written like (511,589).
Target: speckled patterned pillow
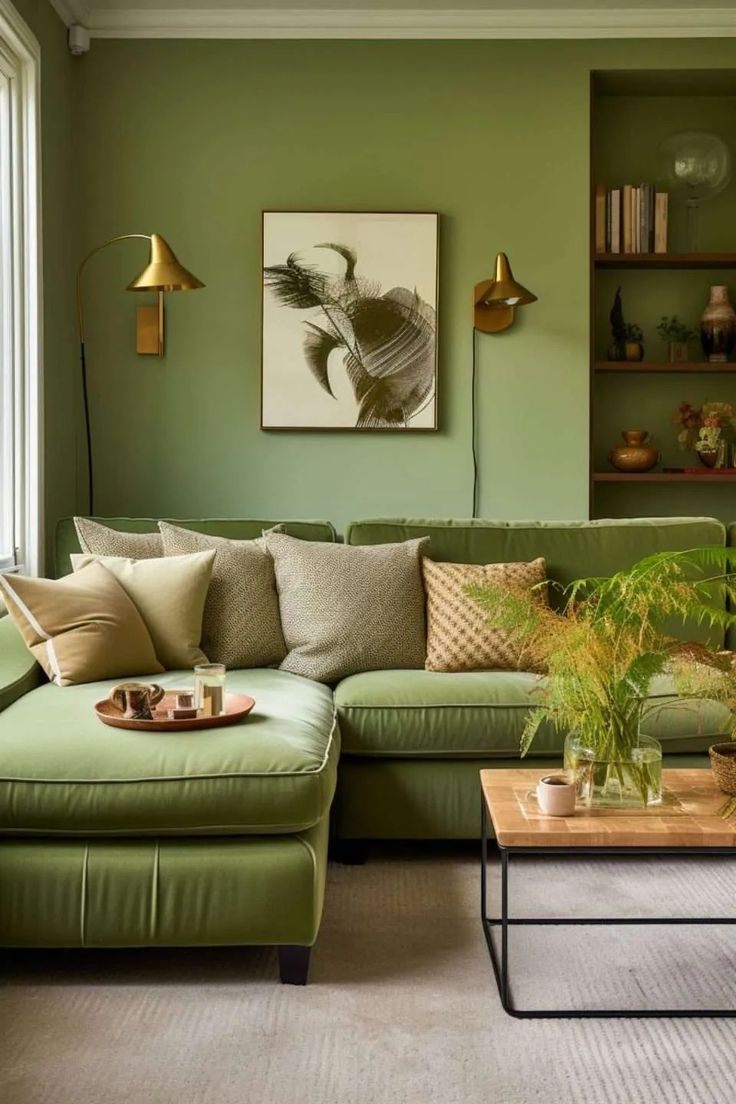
(101,540)
(459,637)
(346,609)
(241,626)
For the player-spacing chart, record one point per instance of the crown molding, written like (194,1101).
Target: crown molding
(404,24)
(72,11)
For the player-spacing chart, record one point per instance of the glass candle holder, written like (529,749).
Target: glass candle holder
(209,689)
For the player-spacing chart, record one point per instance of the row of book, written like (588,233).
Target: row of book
(630,219)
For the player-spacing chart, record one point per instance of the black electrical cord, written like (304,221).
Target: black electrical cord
(473,429)
(88,431)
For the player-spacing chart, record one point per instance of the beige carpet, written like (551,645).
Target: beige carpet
(402,1008)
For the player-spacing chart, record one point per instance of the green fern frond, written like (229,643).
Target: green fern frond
(613,636)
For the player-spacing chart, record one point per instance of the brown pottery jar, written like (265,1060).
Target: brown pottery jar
(635,455)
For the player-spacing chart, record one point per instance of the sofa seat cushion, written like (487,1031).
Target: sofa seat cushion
(435,714)
(63,772)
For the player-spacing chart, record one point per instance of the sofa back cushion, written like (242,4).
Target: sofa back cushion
(571,549)
(67,541)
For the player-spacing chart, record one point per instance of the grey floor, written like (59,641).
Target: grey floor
(402,1006)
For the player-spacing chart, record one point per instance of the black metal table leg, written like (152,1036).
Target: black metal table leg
(500,962)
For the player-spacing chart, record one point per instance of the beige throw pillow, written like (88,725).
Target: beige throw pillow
(170,595)
(241,627)
(81,628)
(100,540)
(346,609)
(459,637)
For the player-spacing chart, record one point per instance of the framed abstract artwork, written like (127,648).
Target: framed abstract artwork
(349,326)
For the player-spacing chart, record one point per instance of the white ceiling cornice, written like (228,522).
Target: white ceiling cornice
(72,11)
(400,24)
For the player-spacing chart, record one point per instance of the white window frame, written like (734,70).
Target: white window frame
(21,332)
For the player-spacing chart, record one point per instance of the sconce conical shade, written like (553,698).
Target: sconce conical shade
(504,291)
(163,271)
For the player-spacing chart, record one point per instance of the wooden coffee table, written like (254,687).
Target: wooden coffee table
(686,823)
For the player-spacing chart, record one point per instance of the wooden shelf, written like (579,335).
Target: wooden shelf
(660,477)
(664,260)
(692,366)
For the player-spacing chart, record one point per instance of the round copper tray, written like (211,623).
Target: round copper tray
(238,707)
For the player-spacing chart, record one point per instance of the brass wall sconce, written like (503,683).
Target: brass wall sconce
(494,304)
(495,300)
(162,273)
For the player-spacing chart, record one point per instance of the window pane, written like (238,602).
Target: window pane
(7,358)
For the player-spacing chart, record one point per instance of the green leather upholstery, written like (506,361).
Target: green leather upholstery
(63,772)
(58,892)
(432,715)
(19,672)
(66,541)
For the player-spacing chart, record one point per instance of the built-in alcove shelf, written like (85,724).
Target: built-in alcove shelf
(649,366)
(661,477)
(632,113)
(664,260)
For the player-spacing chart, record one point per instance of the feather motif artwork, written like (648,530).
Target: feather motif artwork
(371,353)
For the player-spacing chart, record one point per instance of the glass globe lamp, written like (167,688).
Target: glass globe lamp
(697,165)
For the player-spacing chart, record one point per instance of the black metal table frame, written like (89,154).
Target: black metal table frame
(500,960)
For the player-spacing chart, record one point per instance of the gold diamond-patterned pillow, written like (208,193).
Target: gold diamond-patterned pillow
(459,637)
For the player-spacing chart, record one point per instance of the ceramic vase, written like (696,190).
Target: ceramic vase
(708,457)
(636,455)
(718,326)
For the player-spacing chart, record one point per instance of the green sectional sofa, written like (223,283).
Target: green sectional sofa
(112,838)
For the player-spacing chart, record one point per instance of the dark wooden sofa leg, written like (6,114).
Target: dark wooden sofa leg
(348,852)
(294,964)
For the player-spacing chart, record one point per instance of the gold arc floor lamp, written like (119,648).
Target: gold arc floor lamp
(494,303)
(162,273)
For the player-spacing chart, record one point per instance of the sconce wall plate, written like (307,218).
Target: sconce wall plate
(489,319)
(150,328)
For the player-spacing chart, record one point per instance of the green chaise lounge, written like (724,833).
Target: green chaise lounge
(113,838)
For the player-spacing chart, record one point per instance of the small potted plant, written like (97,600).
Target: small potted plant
(707,430)
(633,348)
(677,335)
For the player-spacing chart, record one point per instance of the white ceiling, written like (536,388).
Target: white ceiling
(396,5)
(401,18)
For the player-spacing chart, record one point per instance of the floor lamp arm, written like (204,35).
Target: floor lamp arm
(83,361)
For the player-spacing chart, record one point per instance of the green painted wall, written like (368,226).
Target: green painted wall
(193,138)
(60,247)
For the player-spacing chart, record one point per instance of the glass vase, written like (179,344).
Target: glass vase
(628,781)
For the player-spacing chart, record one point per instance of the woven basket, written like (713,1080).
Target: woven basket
(723,762)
